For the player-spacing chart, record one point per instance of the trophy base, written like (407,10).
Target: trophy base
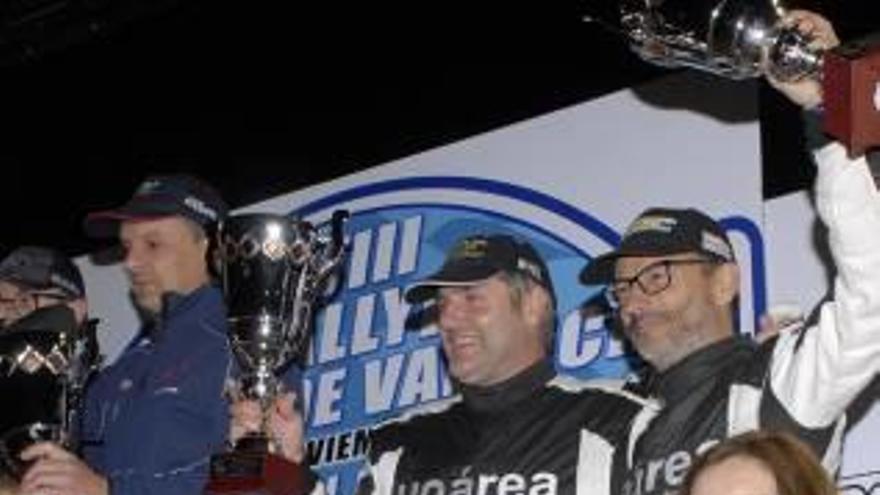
(257,473)
(851,88)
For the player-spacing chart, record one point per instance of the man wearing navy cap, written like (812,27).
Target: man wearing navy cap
(35,277)
(515,426)
(153,418)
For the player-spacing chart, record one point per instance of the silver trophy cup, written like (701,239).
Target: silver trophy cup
(730,38)
(741,39)
(272,270)
(45,362)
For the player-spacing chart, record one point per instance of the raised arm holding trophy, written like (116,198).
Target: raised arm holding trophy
(272,270)
(740,39)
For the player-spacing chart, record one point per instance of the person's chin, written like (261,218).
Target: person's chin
(465,373)
(644,339)
(148,303)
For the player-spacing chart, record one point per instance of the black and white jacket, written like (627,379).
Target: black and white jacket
(537,433)
(801,382)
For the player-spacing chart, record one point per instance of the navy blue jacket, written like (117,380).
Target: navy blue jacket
(155,416)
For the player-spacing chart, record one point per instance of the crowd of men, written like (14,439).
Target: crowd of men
(151,420)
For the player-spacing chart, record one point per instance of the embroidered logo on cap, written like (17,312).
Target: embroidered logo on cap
(147,187)
(716,245)
(472,248)
(651,223)
(200,207)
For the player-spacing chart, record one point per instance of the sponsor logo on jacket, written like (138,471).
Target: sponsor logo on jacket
(468,483)
(658,475)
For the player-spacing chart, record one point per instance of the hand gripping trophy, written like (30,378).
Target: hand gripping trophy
(272,270)
(740,39)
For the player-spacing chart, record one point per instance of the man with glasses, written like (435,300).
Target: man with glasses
(34,280)
(675,281)
(33,277)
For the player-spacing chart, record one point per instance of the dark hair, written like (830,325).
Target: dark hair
(793,465)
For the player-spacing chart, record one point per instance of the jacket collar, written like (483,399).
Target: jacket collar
(501,396)
(674,384)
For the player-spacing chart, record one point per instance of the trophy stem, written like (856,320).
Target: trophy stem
(253,443)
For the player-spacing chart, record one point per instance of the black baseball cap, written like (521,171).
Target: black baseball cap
(662,231)
(42,268)
(161,196)
(476,258)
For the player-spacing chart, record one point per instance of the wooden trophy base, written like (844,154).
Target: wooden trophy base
(851,94)
(257,473)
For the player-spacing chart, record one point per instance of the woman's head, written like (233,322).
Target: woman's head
(758,463)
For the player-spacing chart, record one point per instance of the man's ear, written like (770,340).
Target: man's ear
(80,309)
(725,283)
(204,245)
(534,303)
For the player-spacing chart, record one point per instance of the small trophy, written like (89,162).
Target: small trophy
(742,39)
(272,270)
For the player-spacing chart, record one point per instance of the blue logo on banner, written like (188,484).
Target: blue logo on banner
(369,360)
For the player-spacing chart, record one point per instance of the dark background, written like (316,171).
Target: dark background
(264,99)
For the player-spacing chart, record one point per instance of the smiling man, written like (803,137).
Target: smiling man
(514,426)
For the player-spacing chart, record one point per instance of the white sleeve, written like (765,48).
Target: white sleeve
(817,375)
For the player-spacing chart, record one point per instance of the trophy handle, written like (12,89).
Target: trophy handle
(317,270)
(333,249)
(790,57)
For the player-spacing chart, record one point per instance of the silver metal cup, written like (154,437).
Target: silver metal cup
(272,270)
(736,39)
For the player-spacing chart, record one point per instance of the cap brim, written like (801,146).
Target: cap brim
(463,275)
(427,289)
(102,224)
(600,270)
(18,280)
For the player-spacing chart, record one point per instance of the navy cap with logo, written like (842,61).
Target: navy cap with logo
(161,196)
(659,232)
(476,258)
(41,268)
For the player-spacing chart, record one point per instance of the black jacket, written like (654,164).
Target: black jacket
(536,433)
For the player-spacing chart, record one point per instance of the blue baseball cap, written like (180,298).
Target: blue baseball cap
(42,268)
(162,196)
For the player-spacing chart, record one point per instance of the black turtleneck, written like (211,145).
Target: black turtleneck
(695,370)
(501,396)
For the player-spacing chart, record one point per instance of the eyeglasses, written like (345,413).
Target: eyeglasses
(651,279)
(32,299)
